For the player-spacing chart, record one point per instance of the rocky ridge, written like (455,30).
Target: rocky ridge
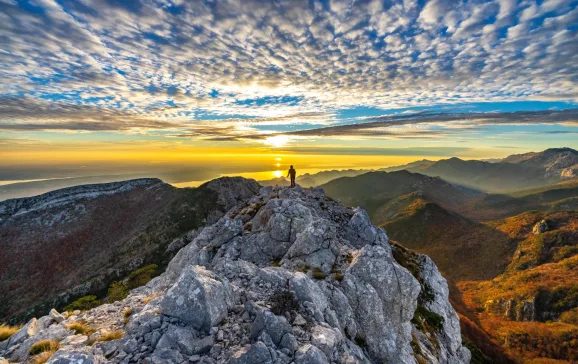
(68,243)
(290,276)
(556,162)
(20,206)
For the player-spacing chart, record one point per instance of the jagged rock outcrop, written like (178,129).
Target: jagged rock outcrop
(291,276)
(540,227)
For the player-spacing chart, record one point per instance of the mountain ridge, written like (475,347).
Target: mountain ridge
(68,243)
(315,282)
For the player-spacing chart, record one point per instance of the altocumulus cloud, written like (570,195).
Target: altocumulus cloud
(225,69)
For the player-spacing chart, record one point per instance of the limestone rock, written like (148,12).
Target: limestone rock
(199,298)
(290,276)
(540,227)
(253,354)
(309,354)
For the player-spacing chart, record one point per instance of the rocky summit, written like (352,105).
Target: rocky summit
(291,276)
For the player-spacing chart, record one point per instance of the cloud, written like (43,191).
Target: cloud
(431,125)
(189,66)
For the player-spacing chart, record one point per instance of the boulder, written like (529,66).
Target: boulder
(309,354)
(251,354)
(540,227)
(74,357)
(199,298)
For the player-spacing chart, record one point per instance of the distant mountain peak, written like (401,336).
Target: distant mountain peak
(70,194)
(561,150)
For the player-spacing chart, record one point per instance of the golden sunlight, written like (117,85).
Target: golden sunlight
(277,141)
(277,174)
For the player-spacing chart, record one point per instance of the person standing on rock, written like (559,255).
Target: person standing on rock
(292,172)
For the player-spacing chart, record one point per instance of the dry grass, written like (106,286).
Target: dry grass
(44,346)
(42,357)
(151,297)
(275,263)
(80,328)
(110,335)
(302,268)
(6,331)
(318,274)
(349,258)
(127,313)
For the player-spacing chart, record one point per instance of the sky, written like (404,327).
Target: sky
(190,90)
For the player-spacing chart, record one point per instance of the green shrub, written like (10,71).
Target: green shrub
(427,320)
(117,291)
(83,304)
(282,302)
(141,276)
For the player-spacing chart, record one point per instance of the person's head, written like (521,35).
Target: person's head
(291,166)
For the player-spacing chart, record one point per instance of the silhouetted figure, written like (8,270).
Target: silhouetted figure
(292,172)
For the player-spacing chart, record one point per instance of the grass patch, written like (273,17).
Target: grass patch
(349,257)
(80,328)
(42,357)
(275,263)
(339,276)
(151,297)
(282,302)
(83,304)
(318,274)
(302,268)
(43,346)
(109,336)
(6,331)
(127,313)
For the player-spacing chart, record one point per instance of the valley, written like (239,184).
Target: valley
(510,257)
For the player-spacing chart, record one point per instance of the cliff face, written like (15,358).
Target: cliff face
(289,276)
(71,242)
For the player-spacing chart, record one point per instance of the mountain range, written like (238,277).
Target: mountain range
(513,173)
(509,258)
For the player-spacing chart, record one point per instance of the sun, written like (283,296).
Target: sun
(277,141)
(277,174)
